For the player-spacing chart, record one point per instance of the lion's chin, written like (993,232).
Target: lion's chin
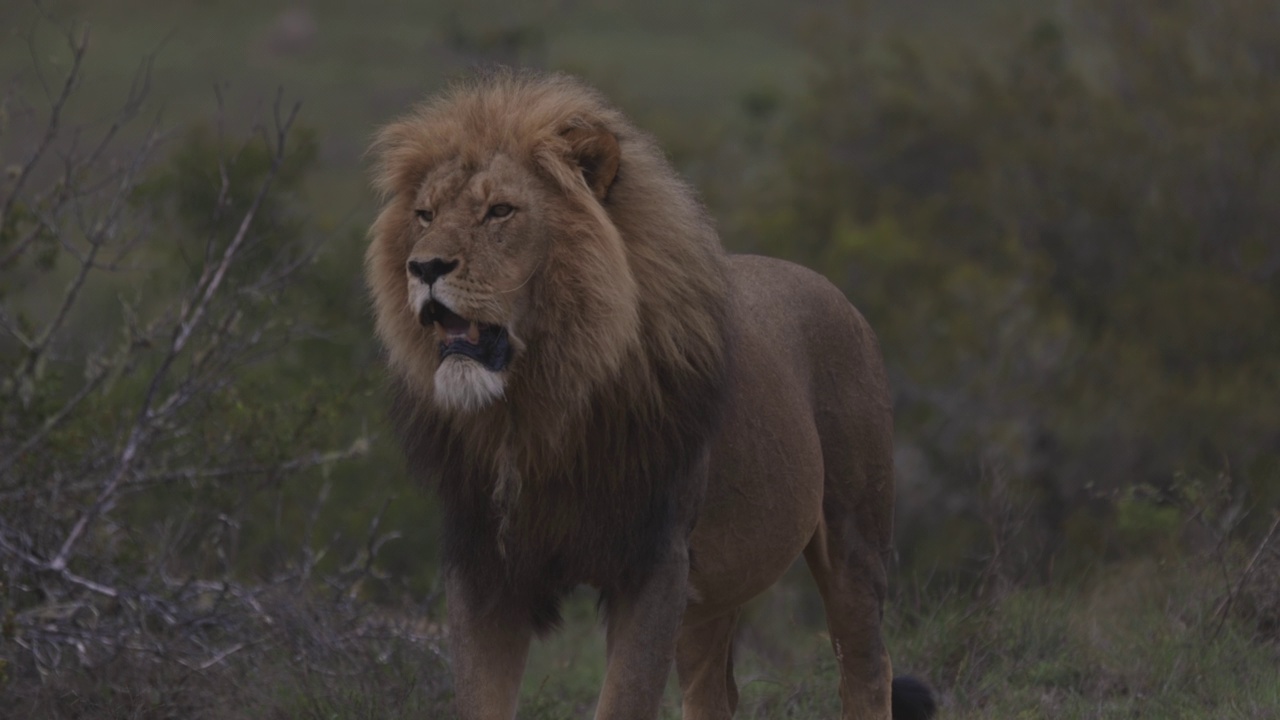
(464,385)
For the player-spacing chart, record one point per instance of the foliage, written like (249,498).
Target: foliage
(1069,252)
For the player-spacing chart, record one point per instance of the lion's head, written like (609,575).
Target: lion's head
(530,238)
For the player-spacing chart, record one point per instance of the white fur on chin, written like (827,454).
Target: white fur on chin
(464,385)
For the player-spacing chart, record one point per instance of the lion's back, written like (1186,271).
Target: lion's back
(796,315)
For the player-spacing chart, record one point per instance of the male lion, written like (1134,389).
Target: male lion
(601,396)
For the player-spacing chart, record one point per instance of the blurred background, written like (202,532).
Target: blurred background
(1062,217)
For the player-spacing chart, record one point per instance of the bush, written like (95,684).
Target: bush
(1067,249)
(176,396)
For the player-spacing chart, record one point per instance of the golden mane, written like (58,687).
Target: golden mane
(633,404)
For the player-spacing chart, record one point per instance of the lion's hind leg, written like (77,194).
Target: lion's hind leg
(704,665)
(851,578)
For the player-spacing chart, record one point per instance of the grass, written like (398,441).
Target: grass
(1140,639)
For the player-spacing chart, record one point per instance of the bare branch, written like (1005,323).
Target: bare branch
(78,48)
(1224,607)
(53,421)
(62,572)
(309,461)
(311,558)
(10,327)
(304,462)
(189,320)
(217,658)
(97,237)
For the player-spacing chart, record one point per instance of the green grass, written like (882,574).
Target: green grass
(1140,640)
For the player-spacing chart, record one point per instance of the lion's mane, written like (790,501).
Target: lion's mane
(577,475)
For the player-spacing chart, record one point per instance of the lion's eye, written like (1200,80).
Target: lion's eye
(424,217)
(500,210)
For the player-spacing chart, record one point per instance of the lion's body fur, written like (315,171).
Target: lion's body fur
(671,415)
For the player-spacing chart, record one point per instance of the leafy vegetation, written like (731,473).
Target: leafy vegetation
(1069,254)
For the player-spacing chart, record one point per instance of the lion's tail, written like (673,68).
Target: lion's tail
(912,699)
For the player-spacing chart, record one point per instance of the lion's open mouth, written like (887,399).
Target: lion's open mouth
(484,343)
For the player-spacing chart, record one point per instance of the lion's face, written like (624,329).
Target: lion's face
(477,238)
(494,265)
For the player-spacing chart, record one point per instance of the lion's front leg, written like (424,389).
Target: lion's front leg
(641,640)
(488,651)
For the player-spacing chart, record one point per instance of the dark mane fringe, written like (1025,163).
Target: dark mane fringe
(601,516)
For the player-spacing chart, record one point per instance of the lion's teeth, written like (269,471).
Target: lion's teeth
(473,333)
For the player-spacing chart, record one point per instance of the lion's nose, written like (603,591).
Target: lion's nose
(431,270)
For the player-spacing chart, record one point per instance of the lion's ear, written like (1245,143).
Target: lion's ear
(401,158)
(596,153)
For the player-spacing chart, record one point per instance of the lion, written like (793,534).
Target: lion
(601,396)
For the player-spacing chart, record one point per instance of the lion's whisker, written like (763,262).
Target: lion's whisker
(526,280)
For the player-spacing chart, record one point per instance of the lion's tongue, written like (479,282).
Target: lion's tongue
(456,328)
(488,345)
